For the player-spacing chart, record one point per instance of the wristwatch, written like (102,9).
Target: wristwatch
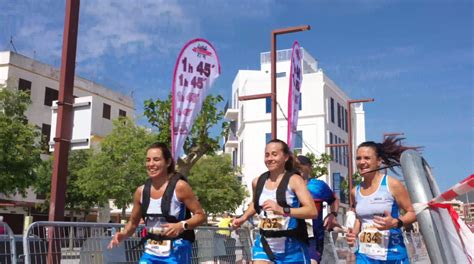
(399,223)
(286,211)
(185,225)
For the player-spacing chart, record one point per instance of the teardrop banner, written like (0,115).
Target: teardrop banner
(294,94)
(196,69)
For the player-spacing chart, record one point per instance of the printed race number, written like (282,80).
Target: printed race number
(371,237)
(271,223)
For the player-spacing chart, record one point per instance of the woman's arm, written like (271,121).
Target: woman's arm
(133,222)
(185,194)
(307,209)
(401,196)
(250,210)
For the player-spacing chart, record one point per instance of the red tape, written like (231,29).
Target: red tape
(451,211)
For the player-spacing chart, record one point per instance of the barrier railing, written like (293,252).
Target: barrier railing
(337,251)
(73,242)
(7,244)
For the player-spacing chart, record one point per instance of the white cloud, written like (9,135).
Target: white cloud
(130,27)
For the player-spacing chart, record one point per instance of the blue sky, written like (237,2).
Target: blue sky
(414,57)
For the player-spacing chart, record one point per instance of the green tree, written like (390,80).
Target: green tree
(76,197)
(118,168)
(356,179)
(215,183)
(320,164)
(19,143)
(198,143)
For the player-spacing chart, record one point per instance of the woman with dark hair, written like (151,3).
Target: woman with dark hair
(282,202)
(378,200)
(164,202)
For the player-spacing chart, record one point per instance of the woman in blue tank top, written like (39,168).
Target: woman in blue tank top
(282,234)
(378,200)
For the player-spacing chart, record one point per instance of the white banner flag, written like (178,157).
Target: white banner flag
(195,71)
(294,94)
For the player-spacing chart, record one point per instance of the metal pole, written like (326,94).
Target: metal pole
(64,127)
(420,192)
(65,112)
(273,85)
(349,155)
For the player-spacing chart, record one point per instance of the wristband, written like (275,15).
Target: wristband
(399,223)
(286,211)
(185,225)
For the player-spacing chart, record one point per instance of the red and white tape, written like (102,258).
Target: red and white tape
(461,188)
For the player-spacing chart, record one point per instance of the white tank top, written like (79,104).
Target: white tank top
(153,223)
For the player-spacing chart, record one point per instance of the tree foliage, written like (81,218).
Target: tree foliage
(118,168)
(19,143)
(215,183)
(199,142)
(356,179)
(320,164)
(76,197)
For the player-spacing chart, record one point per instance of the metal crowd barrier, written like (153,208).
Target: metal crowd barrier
(74,242)
(337,251)
(7,245)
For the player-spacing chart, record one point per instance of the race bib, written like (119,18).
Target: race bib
(272,223)
(374,243)
(160,248)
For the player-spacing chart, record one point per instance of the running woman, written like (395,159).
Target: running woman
(168,223)
(379,198)
(282,202)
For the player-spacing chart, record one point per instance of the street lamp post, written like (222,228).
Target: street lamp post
(392,134)
(273,93)
(349,126)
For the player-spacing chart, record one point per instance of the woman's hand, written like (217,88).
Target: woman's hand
(272,206)
(172,229)
(118,237)
(351,237)
(385,222)
(237,222)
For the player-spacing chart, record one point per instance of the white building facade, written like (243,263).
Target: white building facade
(41,81)
(322,118)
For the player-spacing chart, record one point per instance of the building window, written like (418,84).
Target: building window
(106,111)
(46,132)
(340,150)
(122,113)
(49,96)
(268,137)
(332,110)
(346,119)
(331,141)
(298,146)
(300,106)
(339,115)
(268,104)
(24,85)
(344,154)
(336,141)
(336,184)
(281,74)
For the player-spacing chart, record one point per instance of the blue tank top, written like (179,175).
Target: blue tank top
(320,193)
(391,241)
